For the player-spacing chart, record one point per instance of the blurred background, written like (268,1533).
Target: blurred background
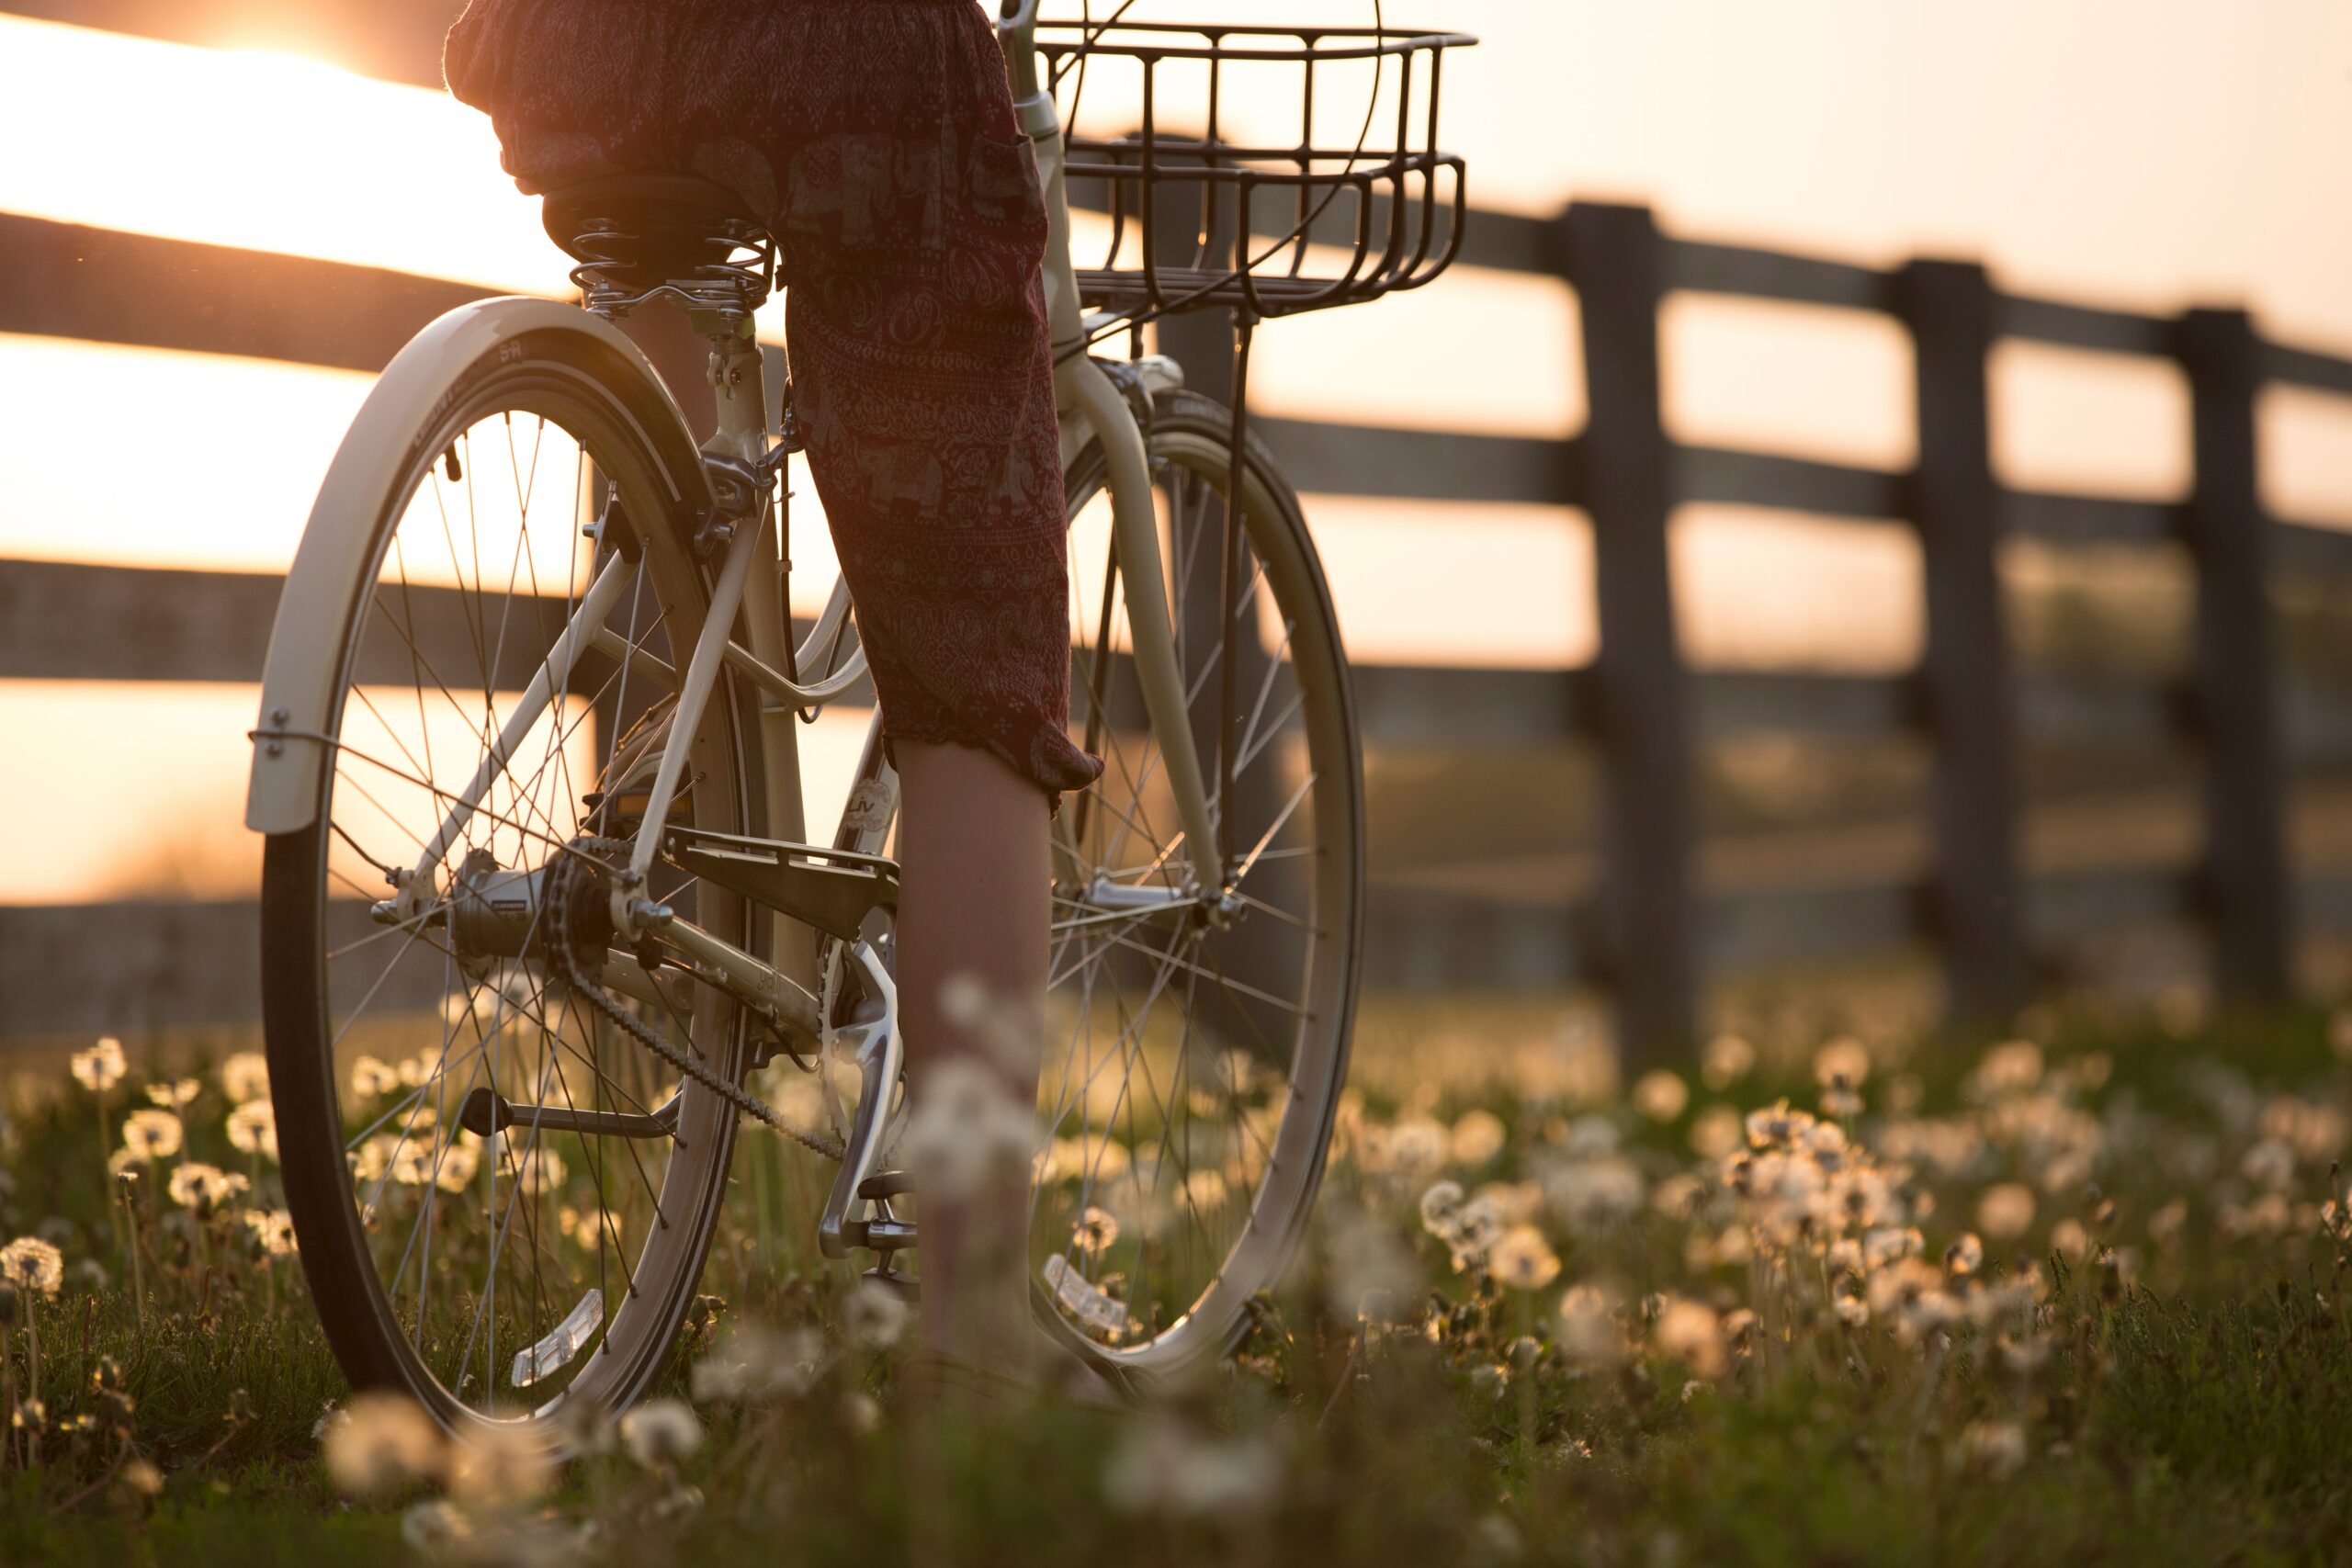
(217,217)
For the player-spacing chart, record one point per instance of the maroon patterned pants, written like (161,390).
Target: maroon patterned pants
(877,137)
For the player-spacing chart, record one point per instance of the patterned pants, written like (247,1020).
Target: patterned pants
(877,137)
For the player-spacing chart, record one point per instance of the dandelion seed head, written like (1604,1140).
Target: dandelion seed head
(101,1067)
(2013,1066)
(1690,1332)
(877,1316)
(1716,1133)
(1590,1330)
(1478,1226)
(1777,1127)
(1843,1061)
(1726,1059)
(245,1077)
(753,1364)
(1437,1207)
(435,1527)
(252,1129)
(271,1229)
(458,1162)
(380,1442)
(2269,1164)
(1522,1260)
(152,1134)
(195,1185)
(1660,1095)
(1205,1191)
(1411,1150)
(660,1433)
(371,1078)
(1096,1231)
(499,1465)
(2006,1212)
(33,1266)
(1477,1138)
(966,1127)
(1994,1450)
(1593,1194)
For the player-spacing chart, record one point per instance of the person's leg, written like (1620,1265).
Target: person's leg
(973,909)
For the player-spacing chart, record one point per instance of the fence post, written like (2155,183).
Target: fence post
(1616,259)
(1970,702)
(2246,885)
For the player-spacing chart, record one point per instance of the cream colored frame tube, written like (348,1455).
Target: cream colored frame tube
(1082,385)
(553,677)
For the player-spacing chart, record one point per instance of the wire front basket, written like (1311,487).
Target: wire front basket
(1324,138)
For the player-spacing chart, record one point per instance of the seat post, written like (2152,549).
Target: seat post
(738,378)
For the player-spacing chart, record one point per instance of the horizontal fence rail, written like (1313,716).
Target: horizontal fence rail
(1644,927)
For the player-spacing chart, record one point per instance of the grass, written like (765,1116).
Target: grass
(2152,1364)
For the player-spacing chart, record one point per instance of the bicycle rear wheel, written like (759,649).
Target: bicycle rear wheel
(492,1267)
(1193,1061)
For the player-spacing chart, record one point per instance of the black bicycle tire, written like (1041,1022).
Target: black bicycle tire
(1201,418)
(347,1292)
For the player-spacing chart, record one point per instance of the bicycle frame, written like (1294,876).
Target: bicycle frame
(298,699)
(1088,400)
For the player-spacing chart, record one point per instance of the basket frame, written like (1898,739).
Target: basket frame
(1393,212)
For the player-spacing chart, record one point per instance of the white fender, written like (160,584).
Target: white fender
(298,689)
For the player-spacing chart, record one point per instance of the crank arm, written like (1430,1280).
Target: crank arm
(789,1008)
(672,991)
(487,1112)
(880,1057)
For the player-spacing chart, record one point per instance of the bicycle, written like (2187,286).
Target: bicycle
(541,918)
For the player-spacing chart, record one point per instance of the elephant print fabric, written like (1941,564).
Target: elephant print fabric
(877,137)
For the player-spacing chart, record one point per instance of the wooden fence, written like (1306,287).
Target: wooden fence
(1646,934)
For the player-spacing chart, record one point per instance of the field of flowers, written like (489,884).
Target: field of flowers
(1814,1297)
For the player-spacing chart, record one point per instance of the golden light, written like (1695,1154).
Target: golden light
(244,441)
(267,152)
(1844,126)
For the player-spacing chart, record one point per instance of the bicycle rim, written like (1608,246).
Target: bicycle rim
(498,1274)
(1191,1067)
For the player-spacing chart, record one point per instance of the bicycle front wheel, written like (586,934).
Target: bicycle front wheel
(459,1246)
(1194,1056)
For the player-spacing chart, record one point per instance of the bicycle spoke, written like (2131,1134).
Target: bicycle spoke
(486,1245)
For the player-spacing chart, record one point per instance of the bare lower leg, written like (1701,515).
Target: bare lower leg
(973,901)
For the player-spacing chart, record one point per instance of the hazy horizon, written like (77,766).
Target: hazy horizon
(2147,155)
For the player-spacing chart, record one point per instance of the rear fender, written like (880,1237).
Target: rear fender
(357,502)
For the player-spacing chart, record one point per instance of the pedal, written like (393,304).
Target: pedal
(885,1184)
(625,787)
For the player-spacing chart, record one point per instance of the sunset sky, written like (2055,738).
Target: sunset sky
(2150,153)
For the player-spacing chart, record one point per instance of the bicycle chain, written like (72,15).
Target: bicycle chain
(561,892)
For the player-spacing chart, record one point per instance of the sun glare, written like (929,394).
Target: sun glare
(245,441)
(263,151)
